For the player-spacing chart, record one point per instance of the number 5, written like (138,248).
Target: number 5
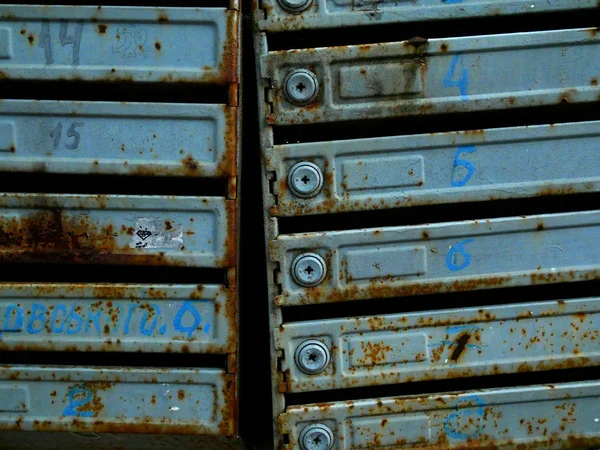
(452,256)
(72,133)
(462,163)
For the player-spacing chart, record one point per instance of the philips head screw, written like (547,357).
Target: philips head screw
(301,87)
(316,437)
(312,356)
(305,179)
(294,6)
(309,269)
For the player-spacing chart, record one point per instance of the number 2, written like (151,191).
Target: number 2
(462,163)
(78,398)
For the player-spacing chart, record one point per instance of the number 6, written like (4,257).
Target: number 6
(455,250)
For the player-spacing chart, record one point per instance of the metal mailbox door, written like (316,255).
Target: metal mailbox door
(288,15)
(551,417)
(424,77)
(119,248)
(110,43)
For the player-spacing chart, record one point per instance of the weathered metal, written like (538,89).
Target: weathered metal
(453,167)
(147,139)
(117,400)
(442,257)
(114,229)
(117,318)
(436,76)
(278,16)
(549,417)
(109,43)
(403,348)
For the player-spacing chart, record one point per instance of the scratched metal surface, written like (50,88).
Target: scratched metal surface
(118,138)
(117,318)
(443,257)
(402,348)
(111,43)
(549,417)
(345,13)
(421,77)
(113,400)
(115,229)
(453,167)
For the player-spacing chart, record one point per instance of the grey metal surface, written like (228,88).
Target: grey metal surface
(100,399)
(118,138)
(453,167)
(117,318)
(110,43)
(550,417)
(443,257)
(272,16)
(26,440)
(421,77)
(401,348)
(118,229)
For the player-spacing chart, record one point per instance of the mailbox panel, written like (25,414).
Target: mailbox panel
(436,76)
(401,348)
(454,167)
(118,44)
(149,139)
(116,229)
(442,257)
(552,417)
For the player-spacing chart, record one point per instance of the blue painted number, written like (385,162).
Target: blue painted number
(456,253)
(78,398)
(462,81)
(454,181)
(467,419)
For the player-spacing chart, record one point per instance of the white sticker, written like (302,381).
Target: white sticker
(156,233)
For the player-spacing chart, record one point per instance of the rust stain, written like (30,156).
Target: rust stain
(157,45)
(31,39)
(101,29)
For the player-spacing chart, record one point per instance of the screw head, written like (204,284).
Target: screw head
(312,356)
(316,437)
(294,6)
(301,87)
(305,179)
(309,269)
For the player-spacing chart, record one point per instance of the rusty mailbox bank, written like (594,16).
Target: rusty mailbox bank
(118,245)
(431,170)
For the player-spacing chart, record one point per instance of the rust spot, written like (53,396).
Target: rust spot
(444,47)
(168,225)
(163,18)
(23,31)
(101,29)
(190,163)
(540,227)
(157,45)
(31,39)
(594,82)
(593,32)
(13,149)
